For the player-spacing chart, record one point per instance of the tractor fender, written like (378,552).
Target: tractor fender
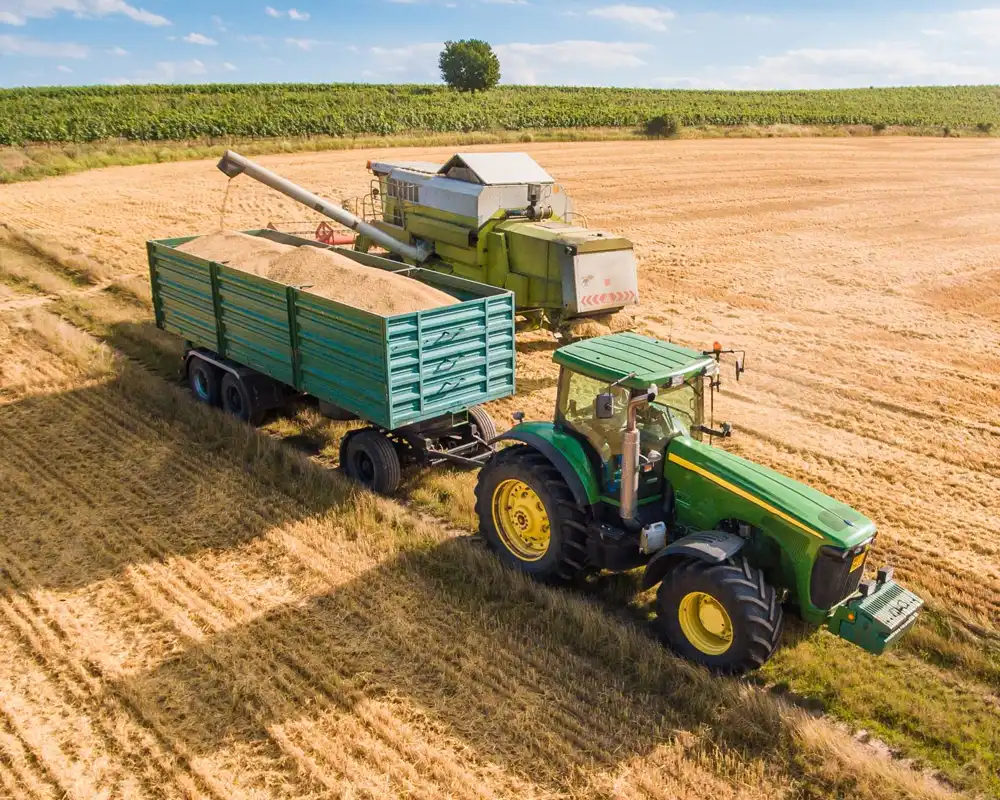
(712,547)
(583,497)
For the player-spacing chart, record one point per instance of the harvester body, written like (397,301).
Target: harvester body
(500,219)
(727,540)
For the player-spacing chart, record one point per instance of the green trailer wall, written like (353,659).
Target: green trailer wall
(391,371)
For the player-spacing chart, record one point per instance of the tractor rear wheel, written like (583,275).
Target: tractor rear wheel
(723,616)
(528,517)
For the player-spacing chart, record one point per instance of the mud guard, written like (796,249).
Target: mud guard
(712,547)
(583,497)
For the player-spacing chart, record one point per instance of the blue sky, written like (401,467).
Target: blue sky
(778,44)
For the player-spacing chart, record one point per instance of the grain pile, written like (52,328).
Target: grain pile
(324,272)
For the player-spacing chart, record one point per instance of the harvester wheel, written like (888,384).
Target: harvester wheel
(238,400)
(370,458)
(528,517)
(204,380)
(724,616)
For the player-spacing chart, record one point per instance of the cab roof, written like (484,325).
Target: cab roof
(613,357)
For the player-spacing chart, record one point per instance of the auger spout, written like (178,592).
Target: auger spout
(233,164)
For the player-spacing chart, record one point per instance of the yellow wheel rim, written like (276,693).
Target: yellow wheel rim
(520,518)
(706,623)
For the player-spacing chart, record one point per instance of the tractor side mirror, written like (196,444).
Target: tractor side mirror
(727,430)
(740,368)
(604,406)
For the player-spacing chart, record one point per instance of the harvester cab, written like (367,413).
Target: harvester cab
(623,477)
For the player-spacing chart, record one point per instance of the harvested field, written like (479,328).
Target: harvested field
(190,608)
(321,272)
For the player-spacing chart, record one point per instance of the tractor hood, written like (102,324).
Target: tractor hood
(775,494)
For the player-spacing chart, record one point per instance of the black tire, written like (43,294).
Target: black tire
(750,602)
(238,400)
(370,458)
(204,381)
(565,556)
(482,424)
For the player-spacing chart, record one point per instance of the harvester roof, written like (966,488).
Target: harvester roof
(495,169)
(482,169)
(614,357)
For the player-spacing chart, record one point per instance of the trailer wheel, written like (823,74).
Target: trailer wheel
(370,458)
(238,400)
(204,381)
(481,425)
(723,616)
(528,516)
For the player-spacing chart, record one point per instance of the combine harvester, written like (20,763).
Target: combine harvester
(495,218)
(621,479)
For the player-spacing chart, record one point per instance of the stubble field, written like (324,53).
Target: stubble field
(191,608)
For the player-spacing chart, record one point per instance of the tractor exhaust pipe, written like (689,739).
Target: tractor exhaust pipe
(233,164)
(629,499)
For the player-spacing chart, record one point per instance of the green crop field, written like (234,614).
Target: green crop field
(165,113)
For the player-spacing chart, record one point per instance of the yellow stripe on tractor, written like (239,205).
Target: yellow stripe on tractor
(683,462)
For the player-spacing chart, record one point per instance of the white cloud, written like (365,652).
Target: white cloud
(879,64)
(293,14)
(63,68)
(197,38)
(166,72)
(647,17)
(506,2)
(219,23)
(303,44)
(22,46)
(531,63)
(415,62)
(982,24)
(117,51)
(228,67)
(253,39)
(18,12)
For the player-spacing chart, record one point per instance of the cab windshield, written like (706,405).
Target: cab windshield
(683,404)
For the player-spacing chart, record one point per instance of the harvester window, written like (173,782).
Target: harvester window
(403,190)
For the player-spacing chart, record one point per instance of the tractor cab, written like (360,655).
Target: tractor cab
(664,383)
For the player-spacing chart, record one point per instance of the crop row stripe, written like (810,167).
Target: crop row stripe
(741,493)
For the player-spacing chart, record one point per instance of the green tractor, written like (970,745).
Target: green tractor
(623,478)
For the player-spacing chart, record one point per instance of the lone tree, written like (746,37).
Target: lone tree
(469,65)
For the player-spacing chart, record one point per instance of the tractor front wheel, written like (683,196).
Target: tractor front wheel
(723,616)
(528,517)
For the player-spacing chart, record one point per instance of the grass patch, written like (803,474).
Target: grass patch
(941,719)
